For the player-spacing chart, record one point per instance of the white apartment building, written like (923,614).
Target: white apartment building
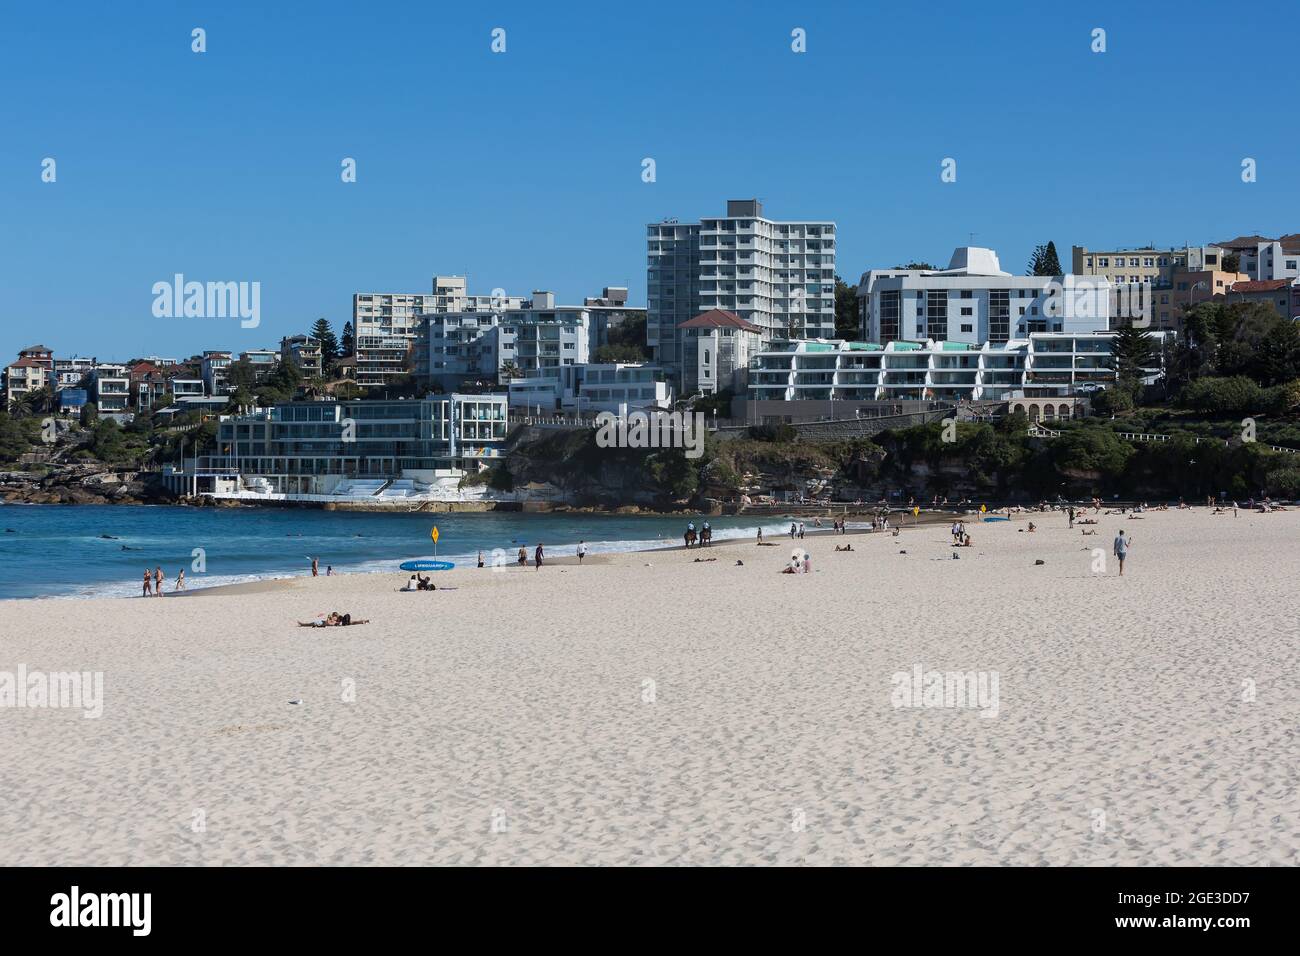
(778,276)
(215,369)
(110,389)
(593,388)
(1044,364)
(389,332)
(716,347)
(973,301)
(535,336)
(1273,260)
(69,372)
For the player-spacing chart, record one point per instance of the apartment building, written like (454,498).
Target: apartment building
(1046,364)
(215,369)
(973,301)
(305,353)
(22,376)
(587,389)
(716,347)
(776,275)
(322,448)
(1144,265)
(535,337)
(110,389)
(1189,288)
(1264,259)
(262,362)
(39,354)
(69,372)
(389,332)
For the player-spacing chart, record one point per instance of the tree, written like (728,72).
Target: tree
(629,338)
(847,325)
(1132,352)
(1232,262)
(1044,261)
(329,344)
(347,342)
(510,370)
(618,353)
(1237,395)
(919,267)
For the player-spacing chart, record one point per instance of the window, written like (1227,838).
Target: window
(1148,262)
(889,316)
(937,315)
(999,315)
(1103,263)
(967,294)
(1133,260)
(967,310)
(966,327)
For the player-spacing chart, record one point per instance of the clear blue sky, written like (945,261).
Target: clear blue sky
(523,169)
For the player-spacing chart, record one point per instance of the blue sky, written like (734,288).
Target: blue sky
(523,169)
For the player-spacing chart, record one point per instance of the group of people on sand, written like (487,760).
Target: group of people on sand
(153,582)
(960,539)
(800,563)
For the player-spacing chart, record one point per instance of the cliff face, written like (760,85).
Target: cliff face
(84,485)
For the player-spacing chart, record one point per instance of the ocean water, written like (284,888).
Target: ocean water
(62,551)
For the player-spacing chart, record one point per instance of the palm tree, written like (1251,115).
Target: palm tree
(510,370)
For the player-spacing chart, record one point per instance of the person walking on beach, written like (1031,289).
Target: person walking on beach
(180,581)
(760,535)
(315,568)
(1122,542)
(582,551)
(480,559)
(537,557)
(523,556)
(148,583)
(801,530)
(1071,514)
(158,580)
(794,529)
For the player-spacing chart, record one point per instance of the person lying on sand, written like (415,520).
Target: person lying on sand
(847,547)
(704,560)
(334,619)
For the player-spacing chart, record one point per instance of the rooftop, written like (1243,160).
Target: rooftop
(718,319)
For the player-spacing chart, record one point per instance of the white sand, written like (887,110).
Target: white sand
(519,698)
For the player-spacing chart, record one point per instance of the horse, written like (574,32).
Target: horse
(690,538)
(706,536)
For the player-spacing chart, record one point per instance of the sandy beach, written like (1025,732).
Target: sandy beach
(651,709)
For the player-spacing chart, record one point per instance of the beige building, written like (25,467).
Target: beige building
(1144,265)
(23,376)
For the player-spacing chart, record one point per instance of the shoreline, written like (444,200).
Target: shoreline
(658,707)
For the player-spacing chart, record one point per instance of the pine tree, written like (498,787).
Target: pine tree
(1044,261)
(348,340)
(1132,351)
(329,345)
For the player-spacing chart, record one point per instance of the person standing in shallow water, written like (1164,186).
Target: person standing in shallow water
(537,557)
(148,583)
